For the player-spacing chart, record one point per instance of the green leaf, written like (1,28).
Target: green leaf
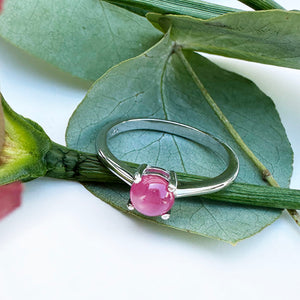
(269,37)
(25,146)
(155,84)
(84,38)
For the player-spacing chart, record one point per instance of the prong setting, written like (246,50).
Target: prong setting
(166,216)
(150,192)
(139,172)
(172,182)
(130,206)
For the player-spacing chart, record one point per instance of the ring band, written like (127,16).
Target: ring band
(153,189)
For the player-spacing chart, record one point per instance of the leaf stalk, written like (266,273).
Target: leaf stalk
(194,8)
(262,4)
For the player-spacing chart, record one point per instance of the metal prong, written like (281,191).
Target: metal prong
(139,172)
(172,182)
(130,206)
(166,216)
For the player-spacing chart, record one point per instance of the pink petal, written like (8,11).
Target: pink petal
(10,197)
(1,5)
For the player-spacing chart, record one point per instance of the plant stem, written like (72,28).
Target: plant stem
(194,8)
(262,4)
(266,175)
(65,163)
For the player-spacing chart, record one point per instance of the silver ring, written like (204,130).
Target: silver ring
(154,189)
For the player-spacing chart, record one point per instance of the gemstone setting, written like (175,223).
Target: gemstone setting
(151,196)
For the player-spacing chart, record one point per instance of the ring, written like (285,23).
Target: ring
(153,189)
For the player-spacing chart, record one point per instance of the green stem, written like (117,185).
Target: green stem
(262,4)
(266,175)
(194,8)
(65,163)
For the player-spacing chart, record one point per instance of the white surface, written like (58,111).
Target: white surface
(64,243)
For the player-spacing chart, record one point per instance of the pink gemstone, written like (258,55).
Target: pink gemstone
(151,196)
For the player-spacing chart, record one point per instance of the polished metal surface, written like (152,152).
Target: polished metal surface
(131,174)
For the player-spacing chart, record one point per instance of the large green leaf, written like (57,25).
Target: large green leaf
(270,37)
(155,84)
(84,37)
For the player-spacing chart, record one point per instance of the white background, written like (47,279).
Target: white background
(64,243)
